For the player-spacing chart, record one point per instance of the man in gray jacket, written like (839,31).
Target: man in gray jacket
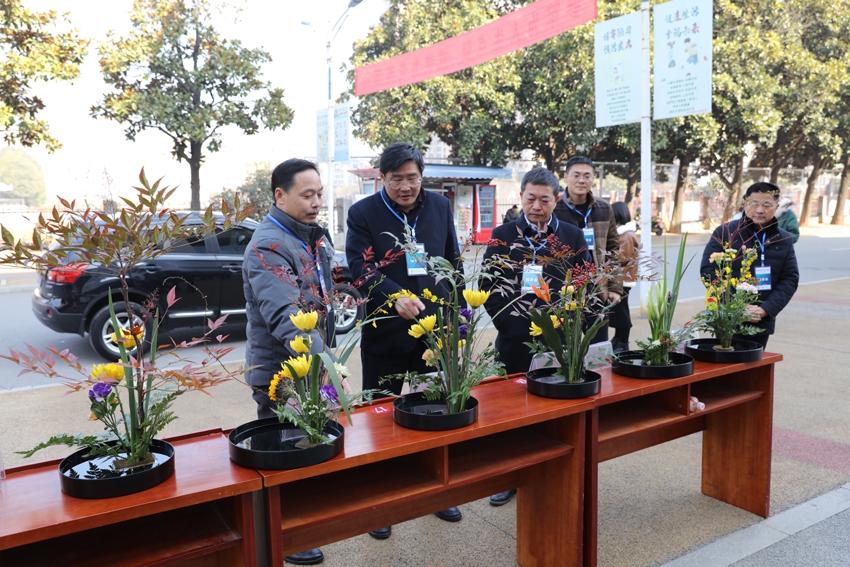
(286,268)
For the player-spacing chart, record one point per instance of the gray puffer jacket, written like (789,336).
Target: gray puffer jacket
(279,278)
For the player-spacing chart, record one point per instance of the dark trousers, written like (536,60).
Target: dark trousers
(377,366)
(760,339)
(620,319)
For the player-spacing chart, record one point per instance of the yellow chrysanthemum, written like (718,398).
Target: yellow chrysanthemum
(535,331)
(129,339)
(300,344)
(424,325)
(300,365)
(305,322)
(476,297)
(110,370)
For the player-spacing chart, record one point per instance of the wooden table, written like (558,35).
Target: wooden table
(388,474)
(202,515)
(630,415)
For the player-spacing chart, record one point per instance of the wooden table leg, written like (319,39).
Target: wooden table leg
(272,510)
(591,489)
(737,445)
(550,500)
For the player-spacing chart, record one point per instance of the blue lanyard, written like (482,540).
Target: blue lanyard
(536,250)
(403,220)
(587,216)
(314,257)
(761,245)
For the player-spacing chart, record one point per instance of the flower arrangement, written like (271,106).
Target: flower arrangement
(452,335)
(727,297)
(133,396)
(661,305)
(560,325)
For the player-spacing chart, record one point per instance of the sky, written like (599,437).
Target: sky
(94,150)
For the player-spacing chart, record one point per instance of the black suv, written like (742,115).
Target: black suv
(73,298)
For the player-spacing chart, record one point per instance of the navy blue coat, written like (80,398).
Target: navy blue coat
(513,330)
(778,254)
(369,221)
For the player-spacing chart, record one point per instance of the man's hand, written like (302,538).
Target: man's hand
(409,308)
(756,313)
(613,297)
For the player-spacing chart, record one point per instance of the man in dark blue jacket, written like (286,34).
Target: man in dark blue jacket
(376,225)
(775,265)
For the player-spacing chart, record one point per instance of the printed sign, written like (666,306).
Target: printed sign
(342,126)
(322,134)
(617,54)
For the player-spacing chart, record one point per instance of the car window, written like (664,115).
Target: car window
(234,241)
(192,245)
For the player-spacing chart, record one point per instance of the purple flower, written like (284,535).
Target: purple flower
(466,314)
(462,330)
(328,393)
(669,296)
(99,391)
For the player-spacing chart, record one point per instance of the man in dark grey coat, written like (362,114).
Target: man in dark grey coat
(286,268)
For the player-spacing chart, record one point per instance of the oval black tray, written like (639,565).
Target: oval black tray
(542,382)
(272,445)
(628,363)
(745,351)
(414,411)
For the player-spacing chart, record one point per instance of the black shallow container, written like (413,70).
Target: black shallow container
(745,351)
(272,445)
(109,483)
(414,411)
(542,382)
(628,363)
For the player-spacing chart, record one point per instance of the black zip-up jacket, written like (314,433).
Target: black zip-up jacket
(778,254)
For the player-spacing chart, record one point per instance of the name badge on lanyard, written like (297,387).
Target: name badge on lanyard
(416,265)
(588,237)
(531,276)
(763,276)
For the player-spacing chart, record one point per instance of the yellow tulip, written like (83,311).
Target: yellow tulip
(424,325)
(300,344)
(101,371)
(476,297)
(305,322)
(300,365)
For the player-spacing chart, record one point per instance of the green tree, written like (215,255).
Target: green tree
(32,50)
(469,110)
(254,191)
(176,74)
(24,174)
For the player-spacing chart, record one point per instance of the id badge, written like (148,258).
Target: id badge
(763,276)
(416,265)
(531,276)
(588,237)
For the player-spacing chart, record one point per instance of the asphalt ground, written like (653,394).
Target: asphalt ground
(651,510)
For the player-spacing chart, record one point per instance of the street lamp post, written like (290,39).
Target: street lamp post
(332,32)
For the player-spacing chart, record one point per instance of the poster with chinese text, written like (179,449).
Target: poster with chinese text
(682,58)
(617,54)
(322,134)
(341,128)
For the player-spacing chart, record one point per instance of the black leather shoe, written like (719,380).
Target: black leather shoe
(502,498)
(310,557)
(382,533)
(449,515)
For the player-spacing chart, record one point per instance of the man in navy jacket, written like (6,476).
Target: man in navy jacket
(376,225)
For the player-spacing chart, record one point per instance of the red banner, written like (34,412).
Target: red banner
(528,25)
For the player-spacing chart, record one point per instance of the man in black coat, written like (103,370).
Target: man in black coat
(539,191)
(375,225)
(775,265)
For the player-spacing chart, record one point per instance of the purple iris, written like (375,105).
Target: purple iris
(99,391)
(466,314)
(462,330)
(328,393)
(669,296)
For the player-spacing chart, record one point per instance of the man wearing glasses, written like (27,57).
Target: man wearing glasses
(375,225)
(595,218)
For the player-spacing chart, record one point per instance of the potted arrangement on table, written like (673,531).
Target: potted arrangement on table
(657,357)
(725,314)
(443,399)
(133,396)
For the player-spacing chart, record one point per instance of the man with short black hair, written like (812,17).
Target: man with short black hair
(286,265)
(376,224)
(594,217)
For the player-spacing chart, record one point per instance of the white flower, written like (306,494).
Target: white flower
(748,287)
(341,370)
(656,343)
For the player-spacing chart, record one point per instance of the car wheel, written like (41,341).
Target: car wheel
(346,308)
(101,330)
(659,231)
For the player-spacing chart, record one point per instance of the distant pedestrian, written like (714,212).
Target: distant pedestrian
(619,317)
(787,218)
(511,215)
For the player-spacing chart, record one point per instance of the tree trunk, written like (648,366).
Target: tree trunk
(195,167)
(781,162)
(817,168)
(734,188)
(844,187)
(679,196)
